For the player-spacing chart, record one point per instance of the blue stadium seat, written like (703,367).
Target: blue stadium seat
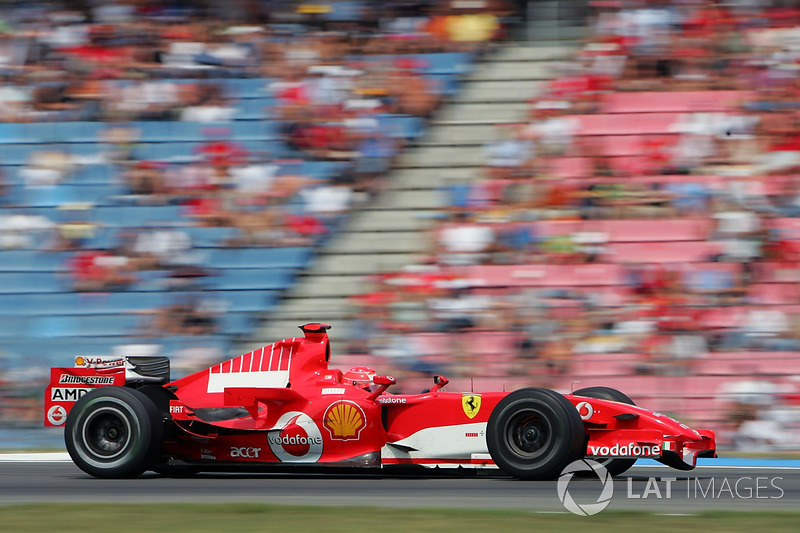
(274,149)
(42,132)
(153,131)
(254,109)
(32,261)
(16,154)
(401,126)
(447,62)
(77,132)
(254,278)
(187,131)
(245,88)
(262,258)
(30,282)
(209,237)
(86,326)
(72,303)
(98,174)
(446,84)
(14,326)
(85,149)
(14,133)
(237,323)
(138,215)
(251,301)
(267,130)
(50,196)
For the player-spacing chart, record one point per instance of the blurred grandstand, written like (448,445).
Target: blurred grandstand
(507,193)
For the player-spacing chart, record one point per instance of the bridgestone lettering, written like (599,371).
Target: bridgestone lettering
(86,380)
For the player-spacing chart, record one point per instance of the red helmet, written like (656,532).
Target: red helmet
(360,376)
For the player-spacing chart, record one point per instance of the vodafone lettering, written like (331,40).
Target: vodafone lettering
(626,450)
(295,438)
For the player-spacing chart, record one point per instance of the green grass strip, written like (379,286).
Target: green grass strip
(245,517)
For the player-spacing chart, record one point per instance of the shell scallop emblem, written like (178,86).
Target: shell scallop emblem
(345,420)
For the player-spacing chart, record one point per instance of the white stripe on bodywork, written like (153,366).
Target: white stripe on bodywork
(274,378)
(445,442)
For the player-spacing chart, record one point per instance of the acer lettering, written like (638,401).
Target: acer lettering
(249,453)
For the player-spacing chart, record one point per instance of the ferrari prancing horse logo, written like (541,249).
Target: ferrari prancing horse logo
(471,404)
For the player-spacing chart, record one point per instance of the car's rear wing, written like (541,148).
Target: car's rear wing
(68,384)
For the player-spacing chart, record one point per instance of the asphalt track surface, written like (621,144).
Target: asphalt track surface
(769,487)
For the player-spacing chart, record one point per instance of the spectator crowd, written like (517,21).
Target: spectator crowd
(258,123)
(648,204)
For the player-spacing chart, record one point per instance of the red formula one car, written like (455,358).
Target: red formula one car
(282,406)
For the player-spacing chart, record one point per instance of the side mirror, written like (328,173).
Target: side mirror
(383,382)
(439,382)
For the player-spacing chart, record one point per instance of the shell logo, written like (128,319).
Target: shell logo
(345,420)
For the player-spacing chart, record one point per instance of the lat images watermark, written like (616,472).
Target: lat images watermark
(583,503)
(598,472)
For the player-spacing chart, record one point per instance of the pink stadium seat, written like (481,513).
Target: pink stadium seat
(683,101)
(345,361)
(748,364)
(662,252)
(570,167)
(778,273)
(773,293)
(791,226)
(627,124)
(430,343)
(543,275)
(627,145)
(650,230)
(720,318)
(595,365)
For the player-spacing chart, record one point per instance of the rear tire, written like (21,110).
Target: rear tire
(614,467)
(114,432)
(534,434)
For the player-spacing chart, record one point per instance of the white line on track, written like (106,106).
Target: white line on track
(726,467)
(55,457)
(60,457)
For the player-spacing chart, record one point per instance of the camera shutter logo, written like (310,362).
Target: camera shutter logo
(585,509)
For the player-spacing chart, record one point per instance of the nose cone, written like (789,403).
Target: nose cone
(670,426)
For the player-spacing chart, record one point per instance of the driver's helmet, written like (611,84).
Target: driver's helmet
(360,376)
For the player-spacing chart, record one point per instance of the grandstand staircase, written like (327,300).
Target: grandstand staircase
(390,233)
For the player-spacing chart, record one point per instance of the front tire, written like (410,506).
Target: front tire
(114,432)
(534,434)
(614,467)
